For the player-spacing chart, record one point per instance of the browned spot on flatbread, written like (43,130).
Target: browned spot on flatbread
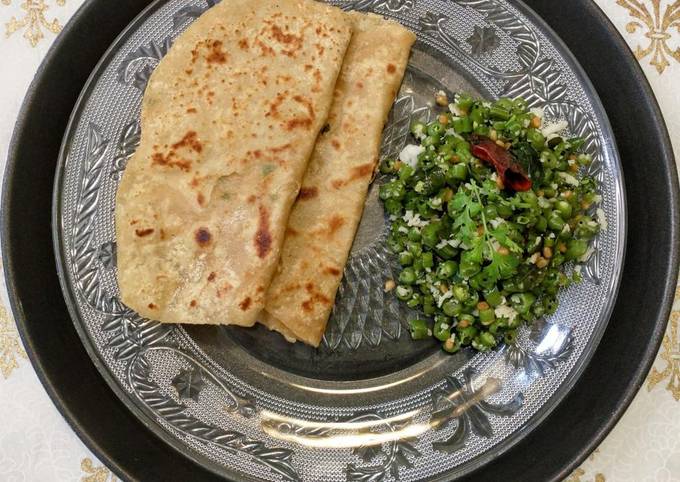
(317,81)
(224,289)
(315,297)
(298,122)
(215,53)
(307,103)
(152,306)
(245,304)
(170,160)
(191,110)
(263,238)
(308,192)
(202,237)
(335,144)
(144,232)
(275,104)
(212,276)
(335,223)
(243,44)
(286,38)
(251,199)
(291,231)
(290,287)
(391,68)
(305,122)
(162,234)
(358,172)
(332,271)
(360,85)
(266,50)
(361,171)
(279,149)
(291,42)
(193,303)
(200,199)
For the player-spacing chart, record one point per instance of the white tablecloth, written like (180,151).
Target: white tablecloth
(36,444)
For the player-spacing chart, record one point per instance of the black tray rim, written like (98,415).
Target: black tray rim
(86,10)
(473,464)
(590,8)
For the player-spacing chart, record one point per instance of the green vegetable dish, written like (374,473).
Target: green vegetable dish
(487,211)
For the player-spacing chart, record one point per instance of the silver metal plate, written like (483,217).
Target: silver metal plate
(370,404)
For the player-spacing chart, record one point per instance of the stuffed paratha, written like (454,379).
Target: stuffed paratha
(325,217)
(229,121)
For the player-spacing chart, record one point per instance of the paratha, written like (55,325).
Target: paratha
(325,217)
(229,120)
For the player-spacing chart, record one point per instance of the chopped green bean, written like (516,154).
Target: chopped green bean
(442,327)
(419,329)
(452,308)
(486,317)
(447,269)
(404,293)
(408,276)
(405,258)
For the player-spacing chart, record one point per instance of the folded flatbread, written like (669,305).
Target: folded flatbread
(325,217)
(229,122)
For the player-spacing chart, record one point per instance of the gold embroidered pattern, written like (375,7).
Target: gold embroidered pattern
(578,473)
(10,346)
(658,28)
(33,21)
(670,354)
(95,474)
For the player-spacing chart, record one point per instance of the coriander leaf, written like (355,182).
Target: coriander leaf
(503,266)
(459,201)
(500,234)
(474,254)
(527,157)
(463,225)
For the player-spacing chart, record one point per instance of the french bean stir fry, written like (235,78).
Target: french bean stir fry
(485,213)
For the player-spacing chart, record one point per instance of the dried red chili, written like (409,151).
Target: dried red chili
(510,171)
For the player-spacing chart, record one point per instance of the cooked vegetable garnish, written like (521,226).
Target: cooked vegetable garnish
(511,173)
(485,213)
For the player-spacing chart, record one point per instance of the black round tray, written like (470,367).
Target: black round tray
(550,452)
